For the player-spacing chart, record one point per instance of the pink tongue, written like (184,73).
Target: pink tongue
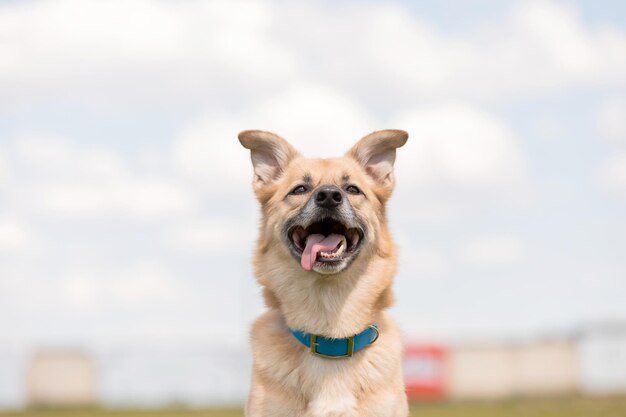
(314,245)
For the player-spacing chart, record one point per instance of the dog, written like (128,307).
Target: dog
(325,260)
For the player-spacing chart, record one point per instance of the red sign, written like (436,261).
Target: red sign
(424,372)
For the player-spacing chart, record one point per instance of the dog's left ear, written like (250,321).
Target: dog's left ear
(376,152)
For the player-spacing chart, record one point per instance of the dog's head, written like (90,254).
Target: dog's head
(326,214)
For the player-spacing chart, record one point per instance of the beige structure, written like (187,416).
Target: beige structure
(488,372)
(480,372)
(546,368)
(61,379)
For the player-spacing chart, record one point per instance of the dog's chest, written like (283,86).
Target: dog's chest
(367,384)
(329,387)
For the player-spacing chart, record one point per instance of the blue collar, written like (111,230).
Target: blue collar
(330,348)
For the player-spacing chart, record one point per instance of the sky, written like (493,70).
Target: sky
(126,211)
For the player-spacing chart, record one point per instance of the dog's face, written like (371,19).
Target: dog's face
(326,214)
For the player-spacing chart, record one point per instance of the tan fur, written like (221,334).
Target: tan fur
(287,379)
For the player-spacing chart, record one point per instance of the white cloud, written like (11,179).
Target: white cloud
(81,291)
(613,173)
(495,250)
(460,146)
(51,154)
(152,47)
(428,261)
(393,55)
(144,283)
(548,128)
(135,197)
(158,51)
(317,120)
(611,119)
(216,235)
(14,234)
(4,168)
(418,260)
(542,47)
(458,161)
(101,302)
(63,177)
(537,47)
(208,149)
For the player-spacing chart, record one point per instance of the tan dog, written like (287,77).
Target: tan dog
(326,261)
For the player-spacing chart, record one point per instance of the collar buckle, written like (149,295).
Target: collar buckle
(347,355)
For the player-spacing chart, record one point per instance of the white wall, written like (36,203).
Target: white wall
(12,377)
(155,377)
(603,360)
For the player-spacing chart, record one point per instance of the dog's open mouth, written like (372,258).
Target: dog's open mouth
(324,243)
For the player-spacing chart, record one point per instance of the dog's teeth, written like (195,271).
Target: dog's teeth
(337,252)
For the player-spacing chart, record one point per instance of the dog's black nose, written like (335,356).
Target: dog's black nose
(328,196)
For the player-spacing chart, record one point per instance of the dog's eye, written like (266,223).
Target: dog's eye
(300,189)
(353,189)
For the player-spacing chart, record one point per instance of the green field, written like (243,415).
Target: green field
(568,407)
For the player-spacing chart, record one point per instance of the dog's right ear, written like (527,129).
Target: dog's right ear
(270,155)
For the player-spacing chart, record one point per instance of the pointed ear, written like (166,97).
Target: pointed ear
(376,152)
(270,154)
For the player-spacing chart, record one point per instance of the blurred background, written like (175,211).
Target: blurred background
(127,220)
